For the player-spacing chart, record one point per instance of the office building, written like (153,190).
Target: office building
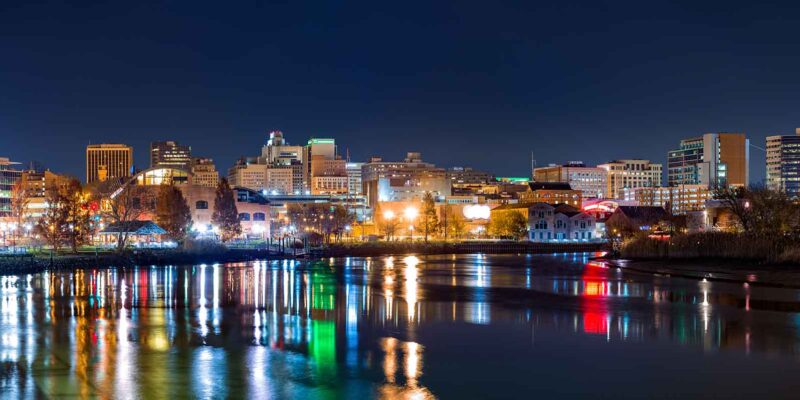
(277,151)
(406,180)
(629,174)
(108,161)
(10,174)
(204,172)
(714,160)
(354,178)
(328,175)
(170,154)
(783,164)
(321,149)
(676,199)
(248,173)
(590,181)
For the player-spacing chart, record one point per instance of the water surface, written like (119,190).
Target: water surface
(449,326)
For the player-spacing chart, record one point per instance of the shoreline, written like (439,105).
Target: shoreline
(715,270)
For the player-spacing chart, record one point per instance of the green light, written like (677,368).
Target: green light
(321,141)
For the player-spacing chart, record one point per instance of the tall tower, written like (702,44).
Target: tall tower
(108,160)
(170,154)
(783,164)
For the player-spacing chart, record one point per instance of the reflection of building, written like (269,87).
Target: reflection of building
(552,193)
(713,160)
(630,174)
(783,164)
(170,154)
(408,180)
(9,176)
(107,161)
(678,199)
(548,223)
(591,181)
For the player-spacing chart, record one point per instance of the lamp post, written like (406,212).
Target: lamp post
(410,214)
(389,215)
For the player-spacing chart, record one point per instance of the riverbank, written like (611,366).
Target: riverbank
(377,249)
(218,254)
(719,270)
(41,261)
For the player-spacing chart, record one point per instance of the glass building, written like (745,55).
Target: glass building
(9,176)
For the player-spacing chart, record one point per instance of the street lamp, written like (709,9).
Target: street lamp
(411,214)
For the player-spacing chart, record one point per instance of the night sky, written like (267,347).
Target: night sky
(480,83)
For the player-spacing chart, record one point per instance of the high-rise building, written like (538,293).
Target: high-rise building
(354,178)
(714,160)
(590,181)
(170,154)
(783,164)
(204,172)
(629,174)
(107,161)
(328,176)
(248,173)
(403,180)
(319,149)
(9,176)
(278,153)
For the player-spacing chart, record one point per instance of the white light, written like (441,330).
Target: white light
(410,213)
(477,211)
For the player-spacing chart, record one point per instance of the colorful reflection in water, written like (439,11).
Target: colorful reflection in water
(353,328)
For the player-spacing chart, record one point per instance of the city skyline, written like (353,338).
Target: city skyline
(514,77)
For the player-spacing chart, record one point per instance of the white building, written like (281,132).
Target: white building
(630,174)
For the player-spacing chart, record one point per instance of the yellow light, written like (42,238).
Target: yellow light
(388,214)
(410,213)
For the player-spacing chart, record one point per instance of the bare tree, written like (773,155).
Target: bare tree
(21,194)
(123,203)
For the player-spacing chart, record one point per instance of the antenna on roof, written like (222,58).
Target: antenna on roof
(533,164)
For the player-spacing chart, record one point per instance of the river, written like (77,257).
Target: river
(445,326)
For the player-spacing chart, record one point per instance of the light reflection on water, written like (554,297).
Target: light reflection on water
(358,328)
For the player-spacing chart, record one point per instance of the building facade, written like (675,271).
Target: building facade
(354,178)
(590,181)
(170,154)
(676,199)
(9,176)
(548,223)
(629,174)
(553,193)
(108,161)
(714,160)
(403,180)
(204,172)
(783,164)
(328,175)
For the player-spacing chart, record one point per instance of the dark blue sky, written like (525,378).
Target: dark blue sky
(468,83)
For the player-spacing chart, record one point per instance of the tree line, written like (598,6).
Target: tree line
(73,214)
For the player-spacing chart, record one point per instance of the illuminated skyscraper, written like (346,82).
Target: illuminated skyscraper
(170,154)
(714,160)
(105,161)
(783,164)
